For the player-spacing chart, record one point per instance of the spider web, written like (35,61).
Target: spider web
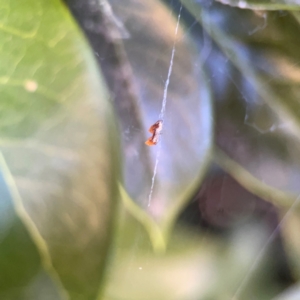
(163,106)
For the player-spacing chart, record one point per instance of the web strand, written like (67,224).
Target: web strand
(262,252)
(164,103)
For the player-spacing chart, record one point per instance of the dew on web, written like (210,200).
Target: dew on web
(163,106)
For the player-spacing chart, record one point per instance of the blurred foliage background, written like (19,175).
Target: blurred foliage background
(81,82)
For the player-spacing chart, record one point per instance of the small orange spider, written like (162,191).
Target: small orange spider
(155,129)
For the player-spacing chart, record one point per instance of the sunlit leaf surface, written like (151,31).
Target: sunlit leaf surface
(58,142)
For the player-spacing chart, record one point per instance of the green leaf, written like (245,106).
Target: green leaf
(256,85)
(19,258)
(189,264)
(199,264)
(291,237)
(182,154)
(258,62)
(59,142)
(252,184)
(264,4)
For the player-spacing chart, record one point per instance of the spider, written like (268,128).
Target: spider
(155,129)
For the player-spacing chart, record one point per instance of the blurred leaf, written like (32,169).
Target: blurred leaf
(198,264)
(58,139)
(157,239)
(105,33)
(264,65)
(247,269)
(253,264)
(251,183)
(19,258)
(290,234)
(254,78)
(264,4)
(292,293)
(41,287)
(187,122)
(185,271)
